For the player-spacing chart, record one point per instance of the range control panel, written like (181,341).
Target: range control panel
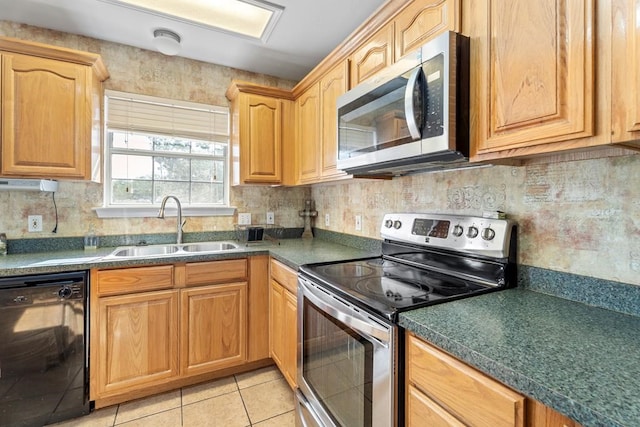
(483,236)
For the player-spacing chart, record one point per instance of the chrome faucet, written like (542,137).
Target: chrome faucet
(180,221)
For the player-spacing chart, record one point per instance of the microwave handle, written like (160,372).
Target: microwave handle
(410,115)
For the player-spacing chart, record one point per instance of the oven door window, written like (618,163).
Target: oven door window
(337,365)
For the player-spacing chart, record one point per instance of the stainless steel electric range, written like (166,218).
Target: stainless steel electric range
(349,344)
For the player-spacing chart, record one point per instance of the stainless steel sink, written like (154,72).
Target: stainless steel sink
(171,249)
(144,251)
(209,247)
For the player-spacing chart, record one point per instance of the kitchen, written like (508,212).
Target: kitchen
(571,214)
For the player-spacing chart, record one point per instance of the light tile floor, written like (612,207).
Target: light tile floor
(260,398)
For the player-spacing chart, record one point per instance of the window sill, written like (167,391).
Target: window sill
(152,212)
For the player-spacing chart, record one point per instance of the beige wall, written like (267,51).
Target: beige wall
(146,72)
(581,217)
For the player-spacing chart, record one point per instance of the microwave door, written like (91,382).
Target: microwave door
(373,127)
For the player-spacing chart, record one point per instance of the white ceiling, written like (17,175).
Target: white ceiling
(307,31)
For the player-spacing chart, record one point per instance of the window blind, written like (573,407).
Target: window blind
(143,113)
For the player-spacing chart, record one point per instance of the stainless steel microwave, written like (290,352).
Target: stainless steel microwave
(412,117)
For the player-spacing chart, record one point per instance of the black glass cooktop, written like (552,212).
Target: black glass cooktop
(389,287)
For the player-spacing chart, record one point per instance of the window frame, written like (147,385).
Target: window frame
(109,210)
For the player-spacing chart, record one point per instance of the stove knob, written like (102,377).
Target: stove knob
(488,234)
(458,230)
(472,232)
(397,224)
(388,223)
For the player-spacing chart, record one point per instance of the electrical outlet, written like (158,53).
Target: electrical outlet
(358,222)
(34,223)
(244,219)
(271,218)
(327,220)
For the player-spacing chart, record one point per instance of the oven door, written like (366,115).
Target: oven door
(347,362)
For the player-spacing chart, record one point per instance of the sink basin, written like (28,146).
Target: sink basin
(209,247)
(143,251)
(171,249)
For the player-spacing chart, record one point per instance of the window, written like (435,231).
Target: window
(155,147)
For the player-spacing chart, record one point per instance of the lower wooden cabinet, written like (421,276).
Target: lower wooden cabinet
(138,340)
(283,321)
(464,394)
(423,411)
(442,391)
(155,328)
(539,415)
(213,323)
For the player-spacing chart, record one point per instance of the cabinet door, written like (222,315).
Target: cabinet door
(373,55)
(261,139)
(625,46)
(422,411)
(332,85)
(290,338)
(454,385)
(46,118)
(308,106)
(276,323)
(539,415)
(213,327)
(421,21)
(137,341)
(532,79)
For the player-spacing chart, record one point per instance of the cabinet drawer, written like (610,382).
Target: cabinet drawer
(285,276)
(204,273)
(138,279)
(423,411)
(473,397)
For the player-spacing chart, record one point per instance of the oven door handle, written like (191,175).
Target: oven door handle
(372,330)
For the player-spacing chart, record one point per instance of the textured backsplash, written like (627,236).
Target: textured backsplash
(581,217)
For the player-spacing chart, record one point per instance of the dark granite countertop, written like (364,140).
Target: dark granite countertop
(292,252)
(580,360)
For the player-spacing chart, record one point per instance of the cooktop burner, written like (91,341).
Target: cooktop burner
(391,289)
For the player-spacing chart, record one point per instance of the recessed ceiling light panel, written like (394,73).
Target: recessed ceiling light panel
(249,18)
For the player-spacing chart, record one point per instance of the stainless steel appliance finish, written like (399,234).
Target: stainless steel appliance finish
(413,117)
(350,359)
(43,349)
(347,362)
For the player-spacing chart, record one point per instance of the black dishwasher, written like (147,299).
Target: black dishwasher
(43,348)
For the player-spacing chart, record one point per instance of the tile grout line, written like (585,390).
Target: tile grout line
(182,406)
(242,400)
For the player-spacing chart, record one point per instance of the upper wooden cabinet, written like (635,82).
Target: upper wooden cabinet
(532,75)
(417,23)
(308,148)
(261,118)
(51,111)
(625,71)
(372,56)
(421,21)
(332,85)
